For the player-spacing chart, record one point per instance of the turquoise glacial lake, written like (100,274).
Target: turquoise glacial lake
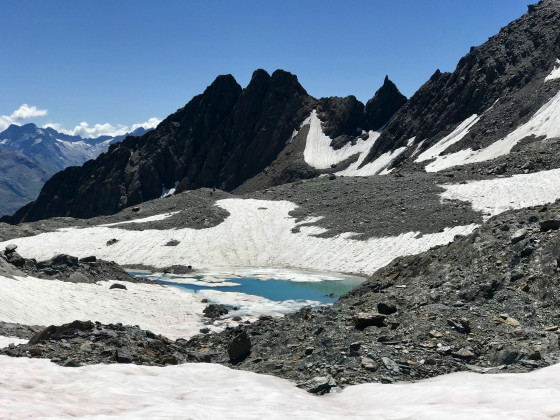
(269,287)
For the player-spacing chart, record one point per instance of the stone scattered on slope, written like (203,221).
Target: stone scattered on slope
(64,267)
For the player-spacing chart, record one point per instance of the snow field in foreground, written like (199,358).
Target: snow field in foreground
(257,233)
(165,310)
(36,387)
(162,310)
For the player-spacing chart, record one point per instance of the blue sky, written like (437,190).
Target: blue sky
(122,62)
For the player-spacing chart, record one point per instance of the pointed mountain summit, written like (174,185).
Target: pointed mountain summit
(385,103)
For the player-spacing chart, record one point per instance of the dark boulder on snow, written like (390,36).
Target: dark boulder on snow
(319,384)
(215,311)
(239,347)
(53,332)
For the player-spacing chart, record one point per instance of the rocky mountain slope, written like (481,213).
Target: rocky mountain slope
(501,84)
(21,180)
(220,139)
(487,302)
(29,155)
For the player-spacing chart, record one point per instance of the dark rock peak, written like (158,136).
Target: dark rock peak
(282,77)
(259,74)
(384,104)
(279,80)
(388,85)
(437,74)
(345,118)
(220,85)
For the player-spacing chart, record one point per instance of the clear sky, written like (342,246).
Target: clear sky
(122,62)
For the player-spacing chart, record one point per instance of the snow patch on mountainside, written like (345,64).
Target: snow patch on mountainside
(166,192)
(377,167)
(494,196)
(77,152)
(455,136)
(555,74)
(545,122)
(37,388)
(318,152)
(249,237)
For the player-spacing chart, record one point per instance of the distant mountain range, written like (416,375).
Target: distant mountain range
(30,155)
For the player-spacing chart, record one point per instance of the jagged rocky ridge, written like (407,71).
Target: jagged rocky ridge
(220,139)
(344,120)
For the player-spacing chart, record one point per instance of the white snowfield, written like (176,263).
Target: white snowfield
(155,218)
(455,136)
(545,122)
(555,74)
(377,167)
(256,234)
(495,196)
(318,152)
(77,152)
(38,388)
(163,310)
(6,341)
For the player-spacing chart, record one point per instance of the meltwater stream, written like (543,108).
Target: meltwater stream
(256,292)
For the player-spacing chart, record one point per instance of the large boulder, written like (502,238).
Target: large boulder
(240,347)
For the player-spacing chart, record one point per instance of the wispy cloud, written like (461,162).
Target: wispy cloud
(22,113)
(83,129)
